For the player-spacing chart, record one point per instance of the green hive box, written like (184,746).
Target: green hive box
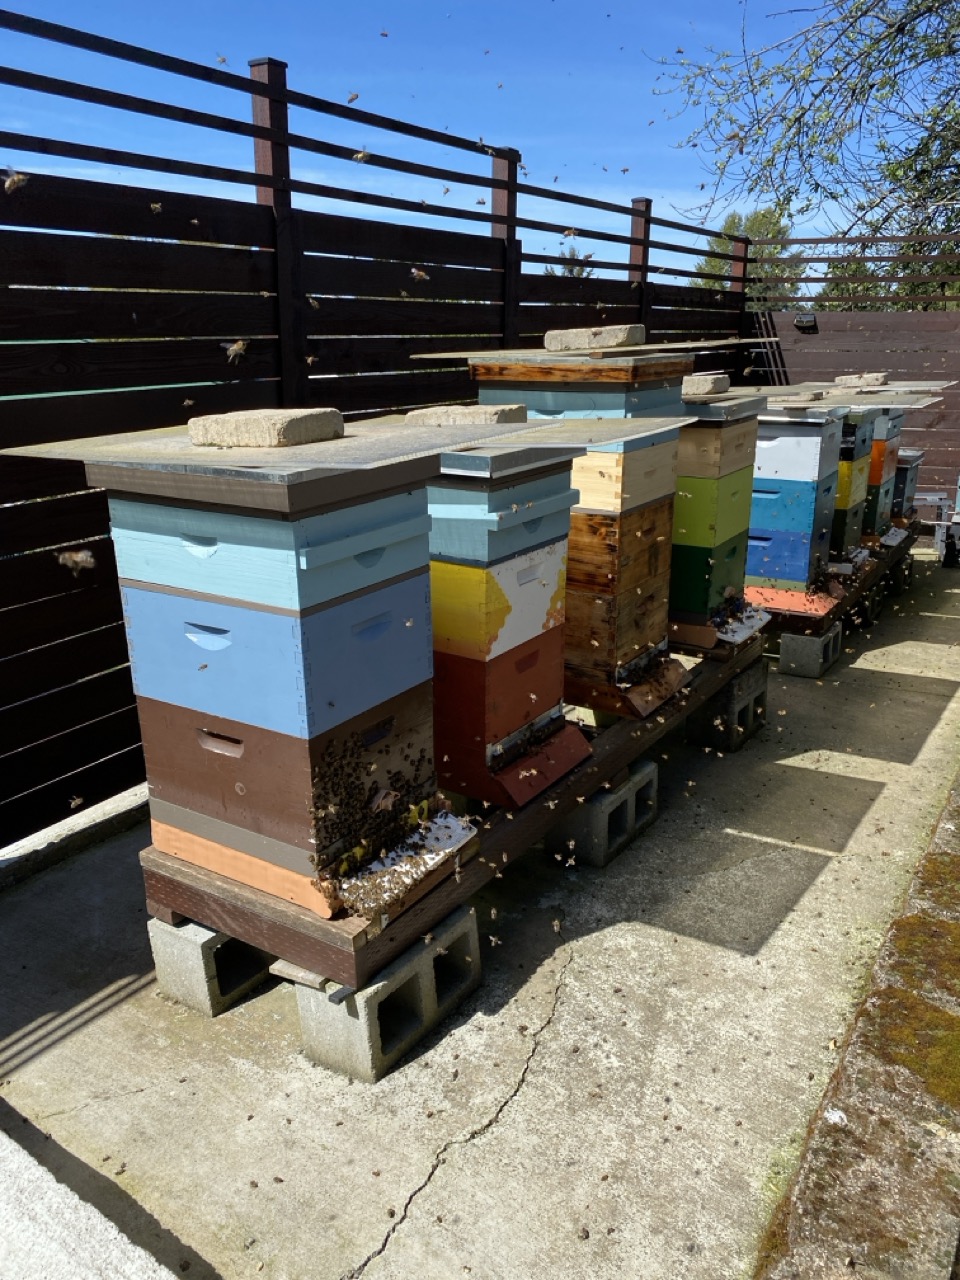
(703,578)
(847,527)
(709,512)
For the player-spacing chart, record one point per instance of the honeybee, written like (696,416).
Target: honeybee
(14,181)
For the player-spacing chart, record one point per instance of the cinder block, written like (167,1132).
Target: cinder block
(810,655)
(266,428)
(612,335)
(605,824)
(737,712)
(364,1035)
(869,607)
(447,415)
(705,384)
(203,969)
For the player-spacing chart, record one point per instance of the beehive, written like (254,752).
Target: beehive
(796,478)
(499,540)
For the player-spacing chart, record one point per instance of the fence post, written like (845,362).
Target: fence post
(504,205)
(640,256)
(272,158)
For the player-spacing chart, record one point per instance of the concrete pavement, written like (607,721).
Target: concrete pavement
(624,1097)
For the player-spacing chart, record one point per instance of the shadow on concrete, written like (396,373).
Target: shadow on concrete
(73,944)
(107,1196)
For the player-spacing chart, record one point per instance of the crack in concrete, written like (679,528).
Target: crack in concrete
(100,1097)
(478,1132)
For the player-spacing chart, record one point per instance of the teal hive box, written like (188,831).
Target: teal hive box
(288,564)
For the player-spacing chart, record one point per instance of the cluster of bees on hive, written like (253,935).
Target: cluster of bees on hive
(360,812)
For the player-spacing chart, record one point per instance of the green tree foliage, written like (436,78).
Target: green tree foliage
(907,276)
(575,264)
(849,107)
(776,269)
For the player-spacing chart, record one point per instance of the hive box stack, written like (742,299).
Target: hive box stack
(712,512)
(618,573)
(498,547)
(584,374)
(883,471)
(276,593)
(794,494)
(905,484)
(856,447)
(282,670)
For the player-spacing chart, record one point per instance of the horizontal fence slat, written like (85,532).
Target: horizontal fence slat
(52,522)
(592,289)
(52,314)
(99,262)
(28,722)
(40,574)
(365,238)
(344,317)
(33,766)
(361,277)
(28,675)
(537,319)
(684,296)
(23,478)
(28,626)
(399,391)
(67,796)
(52,418)
(384,355)
(53,203)
(670,320)
(28,369)
(553,259)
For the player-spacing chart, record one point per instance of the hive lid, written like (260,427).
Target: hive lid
(604,435)
(373,456)
(493,462)
(727,408)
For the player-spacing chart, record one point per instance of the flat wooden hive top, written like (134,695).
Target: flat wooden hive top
(372,456)
(607,435)
(726,407)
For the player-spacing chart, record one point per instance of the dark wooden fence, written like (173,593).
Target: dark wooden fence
(129,305)
(879,303)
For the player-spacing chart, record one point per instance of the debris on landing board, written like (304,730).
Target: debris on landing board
(390,877)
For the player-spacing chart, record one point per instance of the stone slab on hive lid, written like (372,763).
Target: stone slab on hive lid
(861,379)
(705,384)
(614,335)
(266,428)
(443,415)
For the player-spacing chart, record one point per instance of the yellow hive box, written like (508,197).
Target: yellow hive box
(852,483)
(484,612)
(715,451)
(617,482)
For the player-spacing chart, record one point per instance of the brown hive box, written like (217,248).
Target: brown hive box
(606,633)
(263,787)
(613,553)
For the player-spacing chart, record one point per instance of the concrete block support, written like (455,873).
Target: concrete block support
(605,824)
(739,711)
(810,656)
(203,969)
(364,1035)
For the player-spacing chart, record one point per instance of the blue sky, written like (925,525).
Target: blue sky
(577,99)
